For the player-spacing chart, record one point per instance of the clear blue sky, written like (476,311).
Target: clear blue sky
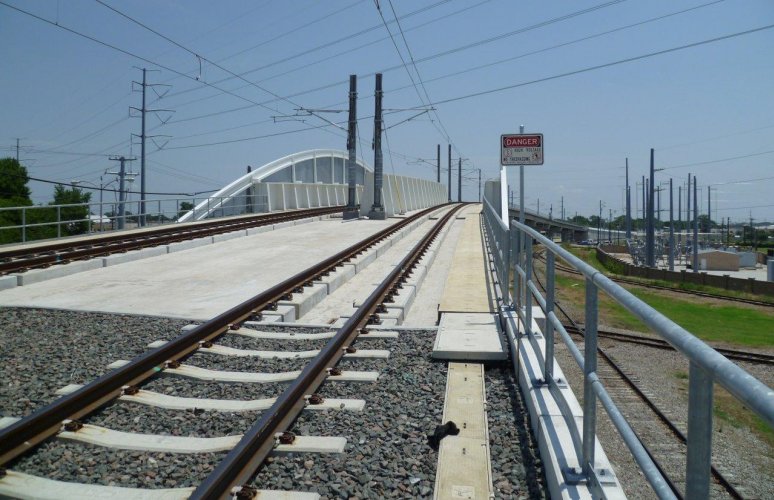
(710,106)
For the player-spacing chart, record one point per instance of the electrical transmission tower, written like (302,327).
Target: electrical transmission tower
(143,111)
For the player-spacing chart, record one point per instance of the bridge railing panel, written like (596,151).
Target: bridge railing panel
(512,255)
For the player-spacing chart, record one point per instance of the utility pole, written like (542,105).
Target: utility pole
(438,158)
(695,229)
(650,236)
(479,185)
(143,111)
(644,203)
(459,179)
(709,209)
(538,207)
(628,204)
(122,174)
(688,208)
(351,211)
(599,224)
(449,173)
(377,209)
(562,211)
(17,150)
(671,229)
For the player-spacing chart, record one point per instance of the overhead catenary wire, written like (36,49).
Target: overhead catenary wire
(601,66)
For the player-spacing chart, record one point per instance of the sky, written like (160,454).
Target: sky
(603,81)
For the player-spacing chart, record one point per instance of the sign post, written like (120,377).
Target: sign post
(520,149)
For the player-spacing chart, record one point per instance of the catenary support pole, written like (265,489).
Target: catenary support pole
(438,162)
(449,155)
(695,229)
(650,236)
(351,211)
(377,209)
(628,204)
(671,229)
(142,153)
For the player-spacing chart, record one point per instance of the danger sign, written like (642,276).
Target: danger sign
(521,149)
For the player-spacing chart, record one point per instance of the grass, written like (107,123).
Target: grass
(740,326)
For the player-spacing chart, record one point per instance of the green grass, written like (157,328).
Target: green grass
(738,325)
(729,324)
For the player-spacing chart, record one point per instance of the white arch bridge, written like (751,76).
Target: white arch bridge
(310,179)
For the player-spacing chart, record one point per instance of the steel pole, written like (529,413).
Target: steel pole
(671,229)
(351,212)
(449,155)
(650,236)
(142,155)
(377,209)
(695,229)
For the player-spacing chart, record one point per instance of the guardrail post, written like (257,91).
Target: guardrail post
(589,367)
(548,370)
(506,267)
(24,225)
(698,462)
(527,280)
(58,222)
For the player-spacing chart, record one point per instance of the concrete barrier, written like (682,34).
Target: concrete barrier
(57,271)
(120,258)
(10,281)
(187,245)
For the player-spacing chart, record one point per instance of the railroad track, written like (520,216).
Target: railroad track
(668,455)
(695,293)
(270,434)
(37,256)
(737,355)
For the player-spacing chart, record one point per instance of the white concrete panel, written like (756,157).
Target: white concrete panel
(10,281)
(469,336)
(187,245)
(57,271)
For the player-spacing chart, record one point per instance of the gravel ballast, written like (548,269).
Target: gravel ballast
(387,453)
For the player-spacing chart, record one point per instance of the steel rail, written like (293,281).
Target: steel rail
(719,477)
(246,457)
(38,256)
(47,421)
(748,356)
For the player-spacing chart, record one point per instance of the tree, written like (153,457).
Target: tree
(77,214)
(13,183)
(13,193)
(185,207)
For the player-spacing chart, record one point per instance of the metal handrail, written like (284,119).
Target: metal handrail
(706,365)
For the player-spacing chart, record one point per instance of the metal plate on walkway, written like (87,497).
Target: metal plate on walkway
(469,336)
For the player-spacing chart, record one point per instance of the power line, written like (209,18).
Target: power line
(685,165)
(550,48)
(601,66)
(131,54)
(319,47)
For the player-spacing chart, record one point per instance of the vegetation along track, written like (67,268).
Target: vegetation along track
(695,293)
(22,258)
(269,432)
(669,461)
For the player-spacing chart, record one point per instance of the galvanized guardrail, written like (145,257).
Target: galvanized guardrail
(511,248)
(92,215)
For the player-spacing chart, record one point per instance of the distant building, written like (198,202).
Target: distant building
(718,260)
